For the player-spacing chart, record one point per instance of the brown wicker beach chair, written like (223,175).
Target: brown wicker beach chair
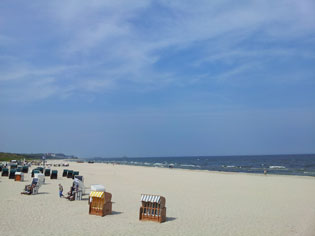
(152,208)
(100,203)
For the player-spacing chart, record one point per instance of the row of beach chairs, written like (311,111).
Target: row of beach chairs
(14,168)
(47,172)
(69,173)
(152,206)
(100,202)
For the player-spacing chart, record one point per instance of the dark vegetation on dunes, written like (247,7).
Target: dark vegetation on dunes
(5,156)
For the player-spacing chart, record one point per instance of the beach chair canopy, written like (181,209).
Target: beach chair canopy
(40,175)
(151,198)
(75,172)
(97,188)
(5,170)
(79,177)
(65,171)
(97,194)
(19,173)
(12,170)
(54,171)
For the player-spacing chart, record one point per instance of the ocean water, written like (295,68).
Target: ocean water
(273,164)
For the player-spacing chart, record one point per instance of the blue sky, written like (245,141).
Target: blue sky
(157,78)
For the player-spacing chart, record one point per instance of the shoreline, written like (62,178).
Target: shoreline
(202,170)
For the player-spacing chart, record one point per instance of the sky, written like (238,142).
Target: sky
(157,78)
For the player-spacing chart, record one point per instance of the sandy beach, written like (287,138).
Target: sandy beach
(198,203)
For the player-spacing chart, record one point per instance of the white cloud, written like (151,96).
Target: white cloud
(100,44)
(36,90)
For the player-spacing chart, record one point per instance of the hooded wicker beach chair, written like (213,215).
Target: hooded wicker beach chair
(54,174)
(35,171)
(25,169)
(65,173)
(12,174)
(37,184)
(47,172)
(152,208)
(75,173)
(70,174)
(78,184)
(100,202)
(13,166)
(5,172)
(19,176)
(40,177)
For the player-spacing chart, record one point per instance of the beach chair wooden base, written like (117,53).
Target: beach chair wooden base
(152,214)
(35,190)
(18,178)
(106,209)
(78,195)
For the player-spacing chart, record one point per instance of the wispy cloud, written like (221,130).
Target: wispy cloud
(97,45)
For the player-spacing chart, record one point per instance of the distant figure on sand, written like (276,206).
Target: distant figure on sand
(60,190)
(265,172)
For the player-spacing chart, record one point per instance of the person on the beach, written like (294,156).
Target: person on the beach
(60,190)
(27,190)
(71,194)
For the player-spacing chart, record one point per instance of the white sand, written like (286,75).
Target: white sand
(198,203)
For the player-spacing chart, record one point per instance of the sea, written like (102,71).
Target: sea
(302,164)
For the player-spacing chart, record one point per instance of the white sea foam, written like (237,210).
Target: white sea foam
(307,172)
(158,164)
(277,167)
(183,165)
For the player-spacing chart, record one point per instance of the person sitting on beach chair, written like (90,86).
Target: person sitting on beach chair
(29,189)
(71,194)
